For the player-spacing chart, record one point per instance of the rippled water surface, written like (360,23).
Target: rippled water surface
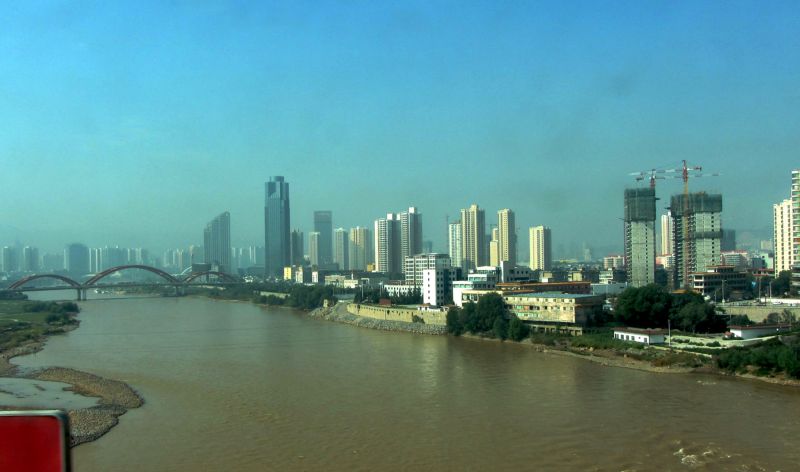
(231,386)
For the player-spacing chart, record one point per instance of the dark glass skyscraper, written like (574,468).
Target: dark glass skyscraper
(276,227)
(217,242)
(323,224)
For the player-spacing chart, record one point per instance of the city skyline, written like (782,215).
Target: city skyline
(328,109)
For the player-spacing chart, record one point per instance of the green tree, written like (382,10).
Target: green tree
(500,328)
(455,326)
(643,307)
(490,307)
(517,330)
(782,284)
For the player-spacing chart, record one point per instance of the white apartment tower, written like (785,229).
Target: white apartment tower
(666,234)
(410,232)
(341,248)
(454,246)
(473,237)
(782,235)
(361,252)
(387,244)
(507,237)
(541,248)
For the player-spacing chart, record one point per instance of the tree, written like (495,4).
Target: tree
(490,307)
(517,330)
(500,328)
(698,316)
(454,324)
(782,284)
(643,307)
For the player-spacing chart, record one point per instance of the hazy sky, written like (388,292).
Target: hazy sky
(135,123)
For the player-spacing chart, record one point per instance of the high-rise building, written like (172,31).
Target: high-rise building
(795,197)
(76,259)
(313,248)
(361,251)
(728,242)
(666,234)
(10,259)
(507,237)
(297,245)
(387,244)
(494,248)
(640,236)
(341,247)
(277,245)
(473,237)
(782,235)
(697,234)
(30,259)
(410,232)
(323,224)
(217,242)
(454,246)
(541,248)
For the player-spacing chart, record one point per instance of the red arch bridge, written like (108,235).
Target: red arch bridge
(96,281)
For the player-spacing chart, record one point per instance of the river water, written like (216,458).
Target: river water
(232,386)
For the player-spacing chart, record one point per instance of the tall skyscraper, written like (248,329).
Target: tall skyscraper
(313,248)
(640,236)
(666,234)
(795,197)
(507,237)
(361,251)
(698,245)
(387,245)
(541,248)
(473,237)
(277,252)
(30,259)
(10,259)
(297,243)
(454,246)
(76,259)
(410,232)
(217,242)
(323,224)
(782,235)
(341,246)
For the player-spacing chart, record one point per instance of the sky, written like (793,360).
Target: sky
(135,123)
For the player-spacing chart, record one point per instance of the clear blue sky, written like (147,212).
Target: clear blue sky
(134,123)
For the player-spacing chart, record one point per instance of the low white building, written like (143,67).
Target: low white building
(756,331)
(638,335)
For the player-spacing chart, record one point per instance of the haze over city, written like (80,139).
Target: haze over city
(134,125)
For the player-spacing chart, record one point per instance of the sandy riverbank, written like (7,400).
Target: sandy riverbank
(86,424)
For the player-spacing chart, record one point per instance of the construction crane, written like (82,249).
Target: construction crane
(684,172)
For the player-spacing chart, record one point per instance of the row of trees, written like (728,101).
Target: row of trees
(652,306)
(374,295)
(301,296)
(774,356)
(488,317)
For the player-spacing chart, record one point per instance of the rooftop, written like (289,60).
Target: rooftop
(551,295)
(640,330)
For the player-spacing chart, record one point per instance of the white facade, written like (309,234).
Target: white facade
(341,248)
(757,331)
(454,246)
(540,248)
(666,234)
(473,237)
(782,235)
(313,247)
(507,237)
(644,336)
(387,244)
(360,251)
(410,232)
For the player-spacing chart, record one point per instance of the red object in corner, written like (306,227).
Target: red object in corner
(34,441)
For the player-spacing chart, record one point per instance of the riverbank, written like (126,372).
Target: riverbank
(86,424)
(339,314)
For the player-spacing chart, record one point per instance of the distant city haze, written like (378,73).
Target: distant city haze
(136,124)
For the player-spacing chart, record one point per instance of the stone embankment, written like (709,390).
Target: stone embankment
(340,314)
(88,424)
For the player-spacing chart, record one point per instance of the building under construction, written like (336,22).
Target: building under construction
(696,234)
(640,236)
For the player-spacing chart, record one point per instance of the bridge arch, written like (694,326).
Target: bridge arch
(21,282)
(222,275)
(101,275)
